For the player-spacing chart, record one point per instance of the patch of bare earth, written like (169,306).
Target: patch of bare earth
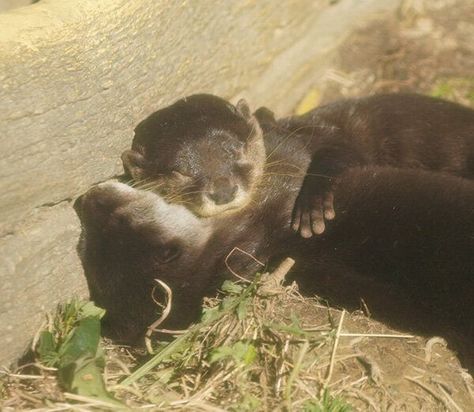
(427,48)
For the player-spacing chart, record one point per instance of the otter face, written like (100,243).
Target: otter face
(201,152)
(130,238)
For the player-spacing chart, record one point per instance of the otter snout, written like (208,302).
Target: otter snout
(224,191)
(97,205)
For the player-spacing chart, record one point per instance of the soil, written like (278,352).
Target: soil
(428,47)
(389,370)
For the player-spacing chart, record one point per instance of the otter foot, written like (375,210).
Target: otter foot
(313,206)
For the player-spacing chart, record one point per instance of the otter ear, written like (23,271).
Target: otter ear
(133,164)
(243,109)
(265,116)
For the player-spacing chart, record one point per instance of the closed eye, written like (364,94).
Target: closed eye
(243,168)
(180,177)
(168,254)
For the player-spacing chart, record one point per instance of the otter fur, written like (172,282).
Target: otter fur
(205,153)
(403,242)
(201,151)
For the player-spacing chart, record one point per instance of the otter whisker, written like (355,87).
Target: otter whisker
(184,194)
(284,140)
(153,184)
(143,181)
(285,174)
(252,131)
(289,165)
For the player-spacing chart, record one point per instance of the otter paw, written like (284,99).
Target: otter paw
(310,213)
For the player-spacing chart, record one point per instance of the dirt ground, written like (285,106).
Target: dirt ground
(427,48)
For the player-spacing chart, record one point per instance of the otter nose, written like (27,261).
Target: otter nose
(224,192)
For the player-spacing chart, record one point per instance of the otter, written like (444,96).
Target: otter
(201,151)
(400,130)
(403,242)
(204,152)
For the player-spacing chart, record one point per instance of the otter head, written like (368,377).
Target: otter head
(201,151)
(130,238)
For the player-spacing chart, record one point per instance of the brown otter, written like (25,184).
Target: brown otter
(201,151)
(404,239)
(401,130)
(211,153)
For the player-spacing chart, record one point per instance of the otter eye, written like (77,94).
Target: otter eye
(243,168)
(180,176)
(168,254)
(239,152)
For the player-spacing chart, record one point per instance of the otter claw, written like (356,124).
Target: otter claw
(328,206)
(311,212)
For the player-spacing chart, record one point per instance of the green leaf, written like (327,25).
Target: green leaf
(231,288)
(248,403)
(47,349)
(294,330)
(84,340)
(242,309)
(220,353)
(84,377)
(240,352)
(244,352)
(210,314)
(228,303)
(89,309)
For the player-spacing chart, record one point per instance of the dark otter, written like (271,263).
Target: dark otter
(401,130)
(403,242)
(211,153)
(201,151)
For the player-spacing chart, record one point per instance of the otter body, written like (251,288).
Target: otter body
(403,239)
(399,130)
(403,242)
(211,155)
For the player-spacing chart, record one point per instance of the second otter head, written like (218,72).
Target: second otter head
(201,151)
(130,238)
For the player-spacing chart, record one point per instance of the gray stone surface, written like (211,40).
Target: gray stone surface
(77,75)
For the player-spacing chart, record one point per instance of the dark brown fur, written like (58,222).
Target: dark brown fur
(400,130)
(403,239)
(192,147)
(403,242)
(200,151)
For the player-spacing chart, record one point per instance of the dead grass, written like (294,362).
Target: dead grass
(263,347)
